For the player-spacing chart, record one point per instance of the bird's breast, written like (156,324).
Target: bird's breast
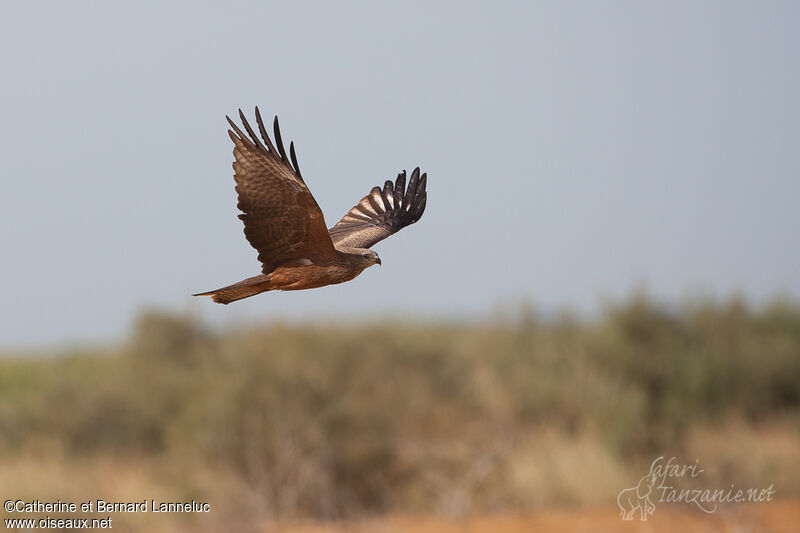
(308,276)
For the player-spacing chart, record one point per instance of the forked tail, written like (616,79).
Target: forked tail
(237,291)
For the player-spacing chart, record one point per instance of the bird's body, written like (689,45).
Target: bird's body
(294,276)
(286,226)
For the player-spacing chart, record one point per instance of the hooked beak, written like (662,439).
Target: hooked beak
(377,260)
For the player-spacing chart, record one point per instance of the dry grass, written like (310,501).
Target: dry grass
(342,422)
(778,517)
(133,480)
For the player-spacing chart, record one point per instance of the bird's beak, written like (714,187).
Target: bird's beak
(377,260)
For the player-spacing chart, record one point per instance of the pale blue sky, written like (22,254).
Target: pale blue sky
(574,151)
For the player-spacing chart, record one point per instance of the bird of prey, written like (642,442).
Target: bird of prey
(283,222)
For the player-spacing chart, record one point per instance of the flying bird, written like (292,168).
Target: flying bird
(283,222)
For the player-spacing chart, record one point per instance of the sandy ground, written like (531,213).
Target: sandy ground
(774,517)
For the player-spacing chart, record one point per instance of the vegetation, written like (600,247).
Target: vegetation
(351,419)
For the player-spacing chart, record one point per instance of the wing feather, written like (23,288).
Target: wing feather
(278,139)
(263,131)
(282,221)
(382,212)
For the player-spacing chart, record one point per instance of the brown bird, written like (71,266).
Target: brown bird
(283,222)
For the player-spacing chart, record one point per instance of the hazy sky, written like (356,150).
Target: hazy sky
(573,152)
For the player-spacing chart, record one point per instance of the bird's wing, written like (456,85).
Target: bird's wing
(382,212)
(282,221)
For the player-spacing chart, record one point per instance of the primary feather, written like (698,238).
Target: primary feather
(382,212)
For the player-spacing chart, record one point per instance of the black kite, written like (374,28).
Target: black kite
(283,222)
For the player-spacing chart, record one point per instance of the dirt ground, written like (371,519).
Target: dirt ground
(773,517)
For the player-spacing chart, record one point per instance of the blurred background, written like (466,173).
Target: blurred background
(607,270)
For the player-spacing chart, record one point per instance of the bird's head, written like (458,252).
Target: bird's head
(371,257)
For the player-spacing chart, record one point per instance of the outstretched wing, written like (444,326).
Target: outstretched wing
(382,212)
(282,221)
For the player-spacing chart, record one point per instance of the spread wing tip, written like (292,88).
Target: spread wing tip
(264,144)
(383,212)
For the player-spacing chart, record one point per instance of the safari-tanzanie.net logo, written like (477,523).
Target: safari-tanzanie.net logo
(666,483)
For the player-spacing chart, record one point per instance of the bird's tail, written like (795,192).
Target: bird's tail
(237,291)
